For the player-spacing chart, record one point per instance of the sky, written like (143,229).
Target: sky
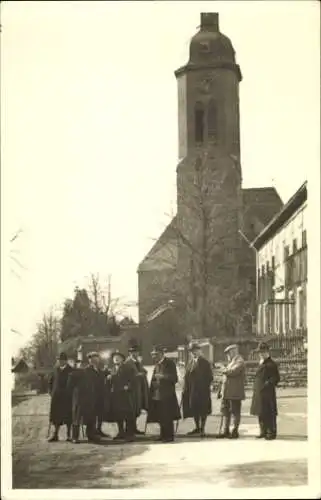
(89,132)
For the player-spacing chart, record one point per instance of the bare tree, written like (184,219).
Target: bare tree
(207,289)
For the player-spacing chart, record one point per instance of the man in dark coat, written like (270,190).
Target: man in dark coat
(163,405)
(196,396)
(122,380)
(141,384)
(60,405)
(87,386)
(264,403)
(232,391)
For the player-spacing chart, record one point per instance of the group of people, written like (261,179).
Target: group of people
(85,397)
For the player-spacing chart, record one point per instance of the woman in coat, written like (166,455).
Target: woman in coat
(264,404)
(122,380)
(60,405)
(163,405)
(196,396)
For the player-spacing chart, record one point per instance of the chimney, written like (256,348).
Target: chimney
(209,21)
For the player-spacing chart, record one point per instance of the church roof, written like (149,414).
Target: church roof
(163,253)
(263,202)
(259,203)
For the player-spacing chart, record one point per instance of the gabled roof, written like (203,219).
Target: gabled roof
(263,202)
(163,253)
(20,366)
(294,203)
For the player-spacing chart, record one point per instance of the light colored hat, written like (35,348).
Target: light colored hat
(230,347)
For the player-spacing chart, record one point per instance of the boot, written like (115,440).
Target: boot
(54,438)
(203,423)
(121,431)
(235,433)
(68,438)
(75,434)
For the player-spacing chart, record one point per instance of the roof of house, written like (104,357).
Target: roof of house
(294,203)
(163,253)
(20,366)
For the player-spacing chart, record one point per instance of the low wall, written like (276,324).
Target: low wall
(293,373)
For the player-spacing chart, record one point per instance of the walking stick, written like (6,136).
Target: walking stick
(49,427)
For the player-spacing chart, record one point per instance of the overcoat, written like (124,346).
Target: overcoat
(140,386)
(266,379)
(122,385)
(164,388)
(87,386)
(197,388)
(233,383)
(60,405)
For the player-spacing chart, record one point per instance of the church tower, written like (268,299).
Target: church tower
(209,199)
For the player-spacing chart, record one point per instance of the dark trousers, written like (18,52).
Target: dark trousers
(231,408)
(165,421)
(200,421)
(57,427)
(267,423)
(127,426)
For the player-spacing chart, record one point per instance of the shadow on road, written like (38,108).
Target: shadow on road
(267,474)
(74,466)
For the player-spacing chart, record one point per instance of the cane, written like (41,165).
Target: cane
(177,421)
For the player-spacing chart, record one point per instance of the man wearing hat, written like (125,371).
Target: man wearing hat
(122,380)
(60,405)
(264,404)
(87,386)
(232,391)
(163,405)
(141,384)
(197,389)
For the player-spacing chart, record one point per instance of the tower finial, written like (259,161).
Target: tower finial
(210,21)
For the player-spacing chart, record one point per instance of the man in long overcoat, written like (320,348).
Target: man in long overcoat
(163,406)
(122,380)
(264,403)
(232,391)
(60,405)
(196,396)
(87,386)
(141,384)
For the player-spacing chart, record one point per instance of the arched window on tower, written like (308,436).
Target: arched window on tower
(212,120)
(199,122)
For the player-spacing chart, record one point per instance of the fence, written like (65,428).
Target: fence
(289,352)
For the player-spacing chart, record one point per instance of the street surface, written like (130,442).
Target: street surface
(190,463)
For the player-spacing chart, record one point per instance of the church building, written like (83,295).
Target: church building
(203,263)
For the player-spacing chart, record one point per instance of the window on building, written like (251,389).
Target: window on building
(212,122)
(294,245)
(304,238)
(199,122)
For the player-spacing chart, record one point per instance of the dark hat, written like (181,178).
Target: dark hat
(262,347)
(118,353)
(63,356)
(93,354)
(193,346)
(157,349)
(134,348)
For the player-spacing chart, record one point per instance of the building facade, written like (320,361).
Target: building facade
(203,259)
(282,273)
